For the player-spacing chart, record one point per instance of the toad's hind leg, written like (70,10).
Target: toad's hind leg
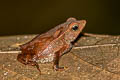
(26,59)
(35,64)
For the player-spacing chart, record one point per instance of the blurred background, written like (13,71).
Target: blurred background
(36,16)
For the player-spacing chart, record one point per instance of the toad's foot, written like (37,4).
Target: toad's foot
(56,68)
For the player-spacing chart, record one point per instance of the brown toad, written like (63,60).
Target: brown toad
(50,46)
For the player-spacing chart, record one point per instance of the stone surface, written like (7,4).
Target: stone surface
(93,58)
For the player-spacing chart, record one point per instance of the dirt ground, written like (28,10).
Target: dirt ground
(92,58)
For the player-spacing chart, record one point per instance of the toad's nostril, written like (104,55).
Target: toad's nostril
(84,21)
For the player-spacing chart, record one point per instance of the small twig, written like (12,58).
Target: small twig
(82,47)
(95,35)
(10,51)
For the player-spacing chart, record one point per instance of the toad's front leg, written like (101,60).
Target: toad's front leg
(57,56)
(56,62)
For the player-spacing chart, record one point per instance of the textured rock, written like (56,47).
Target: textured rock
(93,58)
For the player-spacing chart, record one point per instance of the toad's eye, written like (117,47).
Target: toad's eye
(75,27)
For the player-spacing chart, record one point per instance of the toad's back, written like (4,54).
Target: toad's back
(44,39)
(44,46)
(52,44)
